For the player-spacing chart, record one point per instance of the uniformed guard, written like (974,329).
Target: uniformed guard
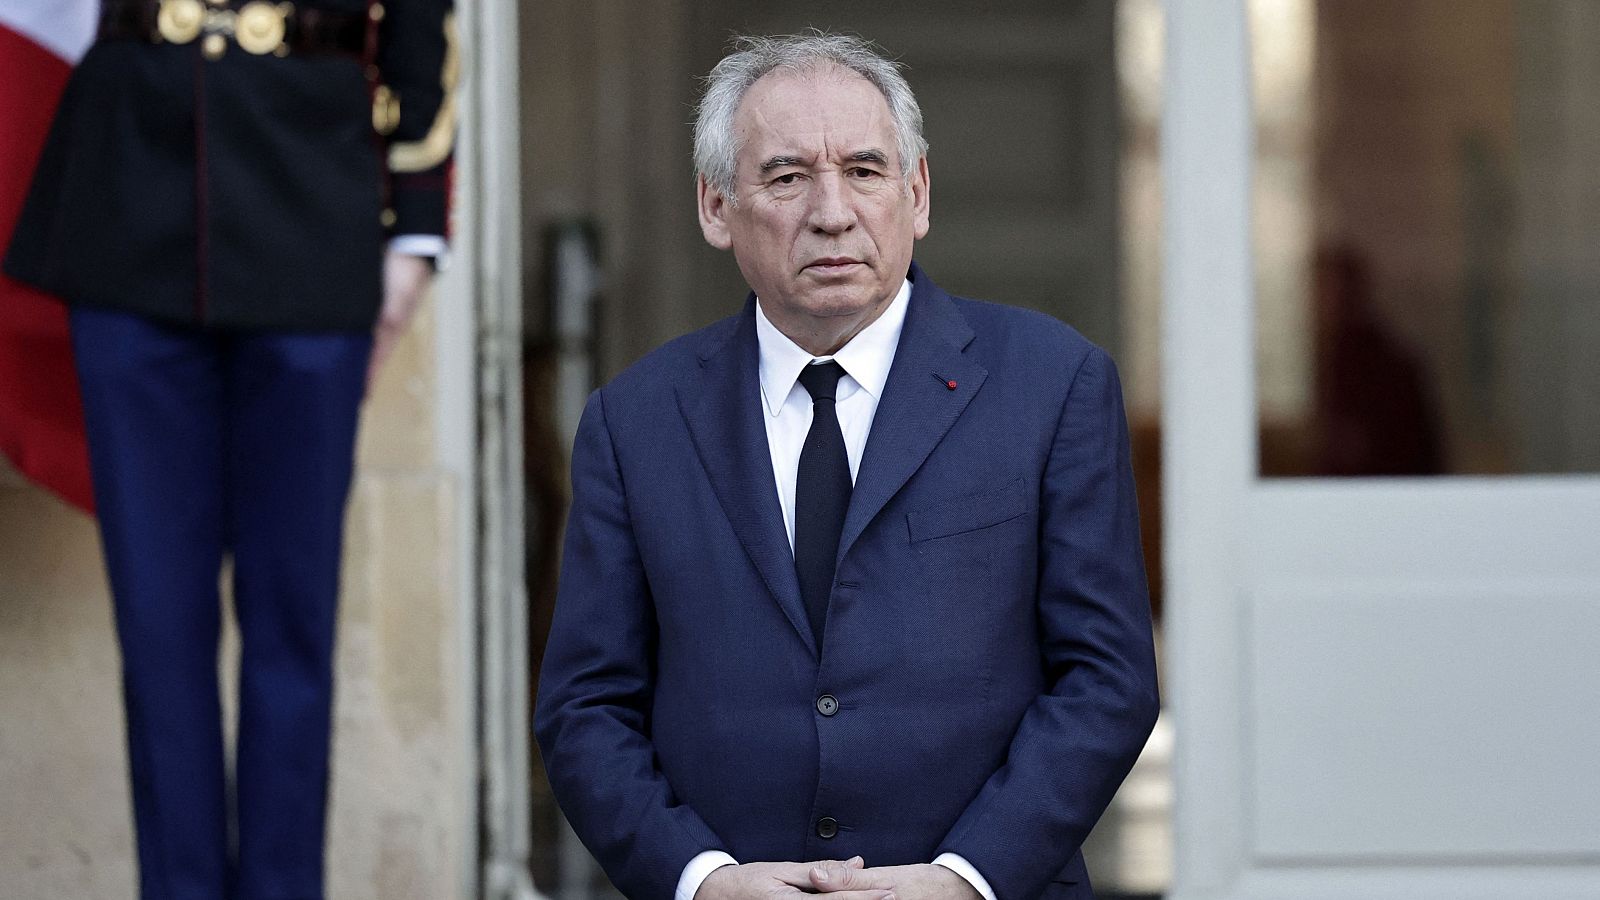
(241,201)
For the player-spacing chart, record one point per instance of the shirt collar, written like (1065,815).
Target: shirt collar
(865,358)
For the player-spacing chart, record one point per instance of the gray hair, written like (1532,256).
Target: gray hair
(716,145)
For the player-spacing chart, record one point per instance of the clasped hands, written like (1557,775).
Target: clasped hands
(847,880)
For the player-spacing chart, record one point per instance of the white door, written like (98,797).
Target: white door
(1382,688)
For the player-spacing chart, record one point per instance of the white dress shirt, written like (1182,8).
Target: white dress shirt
(865,360)
(787,406)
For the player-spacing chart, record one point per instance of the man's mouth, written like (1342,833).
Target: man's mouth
(830,265)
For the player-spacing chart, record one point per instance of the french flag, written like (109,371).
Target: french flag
(41,417)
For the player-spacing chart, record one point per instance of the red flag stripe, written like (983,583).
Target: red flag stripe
(41,416)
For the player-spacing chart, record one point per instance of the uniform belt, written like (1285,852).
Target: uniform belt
(258,26)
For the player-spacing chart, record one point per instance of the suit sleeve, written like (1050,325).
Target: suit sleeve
(1077,741)
(419,61)
(595,689)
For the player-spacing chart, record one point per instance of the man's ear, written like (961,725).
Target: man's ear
(713,212)
(920,199)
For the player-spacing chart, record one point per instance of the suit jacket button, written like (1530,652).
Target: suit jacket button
(827,827)
(827,704)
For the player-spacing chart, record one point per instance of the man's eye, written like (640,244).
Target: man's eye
(787,178)
(863,172)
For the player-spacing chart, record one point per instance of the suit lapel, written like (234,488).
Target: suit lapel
(918,406)
(722,408)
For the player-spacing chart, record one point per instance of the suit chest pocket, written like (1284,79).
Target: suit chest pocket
(968,554)
(963,515)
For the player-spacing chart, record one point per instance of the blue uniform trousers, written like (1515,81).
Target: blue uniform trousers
(205,444)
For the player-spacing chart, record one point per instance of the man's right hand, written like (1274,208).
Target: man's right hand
(777,879)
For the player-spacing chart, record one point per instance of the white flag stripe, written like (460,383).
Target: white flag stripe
(64,27)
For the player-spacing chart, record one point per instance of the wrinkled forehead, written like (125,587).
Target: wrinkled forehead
(824,108)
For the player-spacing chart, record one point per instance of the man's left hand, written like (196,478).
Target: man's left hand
(920,882)
(405,281)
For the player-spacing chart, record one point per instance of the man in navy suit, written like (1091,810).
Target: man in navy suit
(852,599)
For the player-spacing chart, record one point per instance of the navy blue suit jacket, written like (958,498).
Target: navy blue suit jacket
(988,639)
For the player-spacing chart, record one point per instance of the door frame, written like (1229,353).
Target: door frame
(488,246)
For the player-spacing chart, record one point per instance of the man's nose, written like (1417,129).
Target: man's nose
(831,208)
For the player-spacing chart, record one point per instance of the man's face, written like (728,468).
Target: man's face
(824,223)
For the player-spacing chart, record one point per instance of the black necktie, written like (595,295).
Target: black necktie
(821,494)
